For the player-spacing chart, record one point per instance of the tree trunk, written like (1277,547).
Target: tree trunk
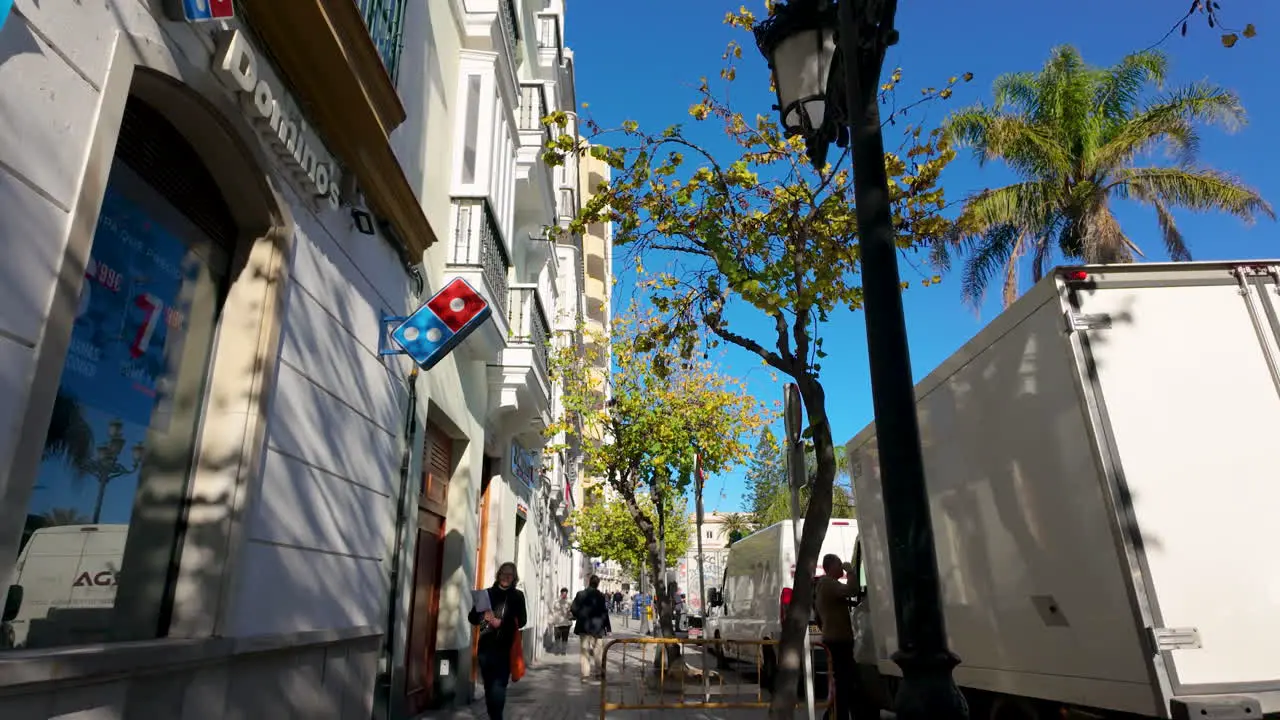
(816,518)
(663,606)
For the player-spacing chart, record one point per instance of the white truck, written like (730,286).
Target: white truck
(1101,464)
(68,576)
(758,579)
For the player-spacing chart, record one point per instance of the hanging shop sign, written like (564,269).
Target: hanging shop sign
(199,10)
(239,67)
(523,464)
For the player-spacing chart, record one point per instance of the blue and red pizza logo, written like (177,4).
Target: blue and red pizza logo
(441,323)
(201,10)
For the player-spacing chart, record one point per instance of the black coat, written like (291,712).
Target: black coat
(591,612)
(509,605)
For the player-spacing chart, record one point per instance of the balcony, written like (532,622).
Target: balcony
(533,107)
(520,387)
(479,255)
(550,44)
(528,322)
(510,29)
(324,51)
(385,20)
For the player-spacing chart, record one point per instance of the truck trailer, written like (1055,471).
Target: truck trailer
(1102,471)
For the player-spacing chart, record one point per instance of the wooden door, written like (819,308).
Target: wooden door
(425,605)
(433,495)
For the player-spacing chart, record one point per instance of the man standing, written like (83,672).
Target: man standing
(833,600)
(591,610)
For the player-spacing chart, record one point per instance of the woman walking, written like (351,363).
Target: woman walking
(500,613)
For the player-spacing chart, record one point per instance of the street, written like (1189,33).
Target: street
(552,689)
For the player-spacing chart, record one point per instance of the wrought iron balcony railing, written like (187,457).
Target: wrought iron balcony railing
(385,19)
(510,28)
(529,322)
(477,242)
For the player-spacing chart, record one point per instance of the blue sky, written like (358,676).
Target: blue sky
(645,66)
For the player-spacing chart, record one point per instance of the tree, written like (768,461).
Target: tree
(1074,134)
(1211,11)
(642,440)
(758,230)
(736,526)
(779,507)
(69,437)
(64,516)
(766,475)
(606,530)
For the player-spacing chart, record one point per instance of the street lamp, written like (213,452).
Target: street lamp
(106,466)
(847,40)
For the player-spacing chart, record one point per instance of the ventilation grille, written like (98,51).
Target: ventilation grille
(153,148)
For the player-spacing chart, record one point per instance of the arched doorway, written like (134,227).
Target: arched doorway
(99,556)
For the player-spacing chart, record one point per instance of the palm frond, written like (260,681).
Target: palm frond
(1120,88)
(1031,150)
(988,255)
(1172,120)
(1198,189)
(1026,204)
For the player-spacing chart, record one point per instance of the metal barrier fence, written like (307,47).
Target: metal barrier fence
(647,677)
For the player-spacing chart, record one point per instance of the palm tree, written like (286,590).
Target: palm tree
(736,526)
(64,516)
(69,436)
(1074,134)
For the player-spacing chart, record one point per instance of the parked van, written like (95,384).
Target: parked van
(68,578)
(758,580)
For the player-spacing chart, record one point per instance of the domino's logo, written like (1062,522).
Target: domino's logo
(441,323)
(203,10)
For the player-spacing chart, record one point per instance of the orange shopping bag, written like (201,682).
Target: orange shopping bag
(518,667)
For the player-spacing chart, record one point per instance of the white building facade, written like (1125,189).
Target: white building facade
(219,496)
(715,554)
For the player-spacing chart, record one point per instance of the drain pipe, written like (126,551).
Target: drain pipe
(402,519)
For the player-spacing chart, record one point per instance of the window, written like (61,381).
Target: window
(102,525)
(471,130)
(709,534)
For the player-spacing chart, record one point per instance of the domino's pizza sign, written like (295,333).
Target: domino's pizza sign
(200,10)
(436,328)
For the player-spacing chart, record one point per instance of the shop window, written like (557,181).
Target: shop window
(103,524)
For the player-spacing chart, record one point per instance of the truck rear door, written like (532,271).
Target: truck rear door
(1186,368)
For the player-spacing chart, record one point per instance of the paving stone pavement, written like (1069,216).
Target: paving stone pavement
(553,690)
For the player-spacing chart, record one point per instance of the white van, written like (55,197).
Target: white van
(758,579)
(68,576)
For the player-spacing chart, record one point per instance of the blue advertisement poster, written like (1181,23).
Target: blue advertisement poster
(129,305)
(128,333)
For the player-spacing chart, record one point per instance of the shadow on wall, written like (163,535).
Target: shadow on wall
(337,506)
(1004,504)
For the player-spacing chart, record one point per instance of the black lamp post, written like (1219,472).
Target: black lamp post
(826,57)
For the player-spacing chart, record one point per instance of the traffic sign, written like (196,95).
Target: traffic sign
(203,10)
(440,324)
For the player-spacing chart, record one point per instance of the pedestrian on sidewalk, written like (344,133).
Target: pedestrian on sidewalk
(591,610)
(834,603)
(500,613)
(562,620)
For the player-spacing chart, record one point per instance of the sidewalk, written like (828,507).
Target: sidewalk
(553,690)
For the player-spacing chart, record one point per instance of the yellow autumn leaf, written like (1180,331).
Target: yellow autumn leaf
(1229,39)
(1249,31)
